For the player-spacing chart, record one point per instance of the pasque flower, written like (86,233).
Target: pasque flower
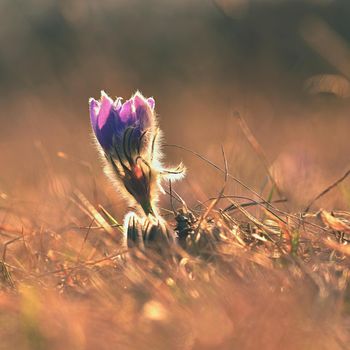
(128,137)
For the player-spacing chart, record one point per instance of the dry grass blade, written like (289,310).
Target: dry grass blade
(223,171)
(216,200)
(253,219)
(326,190)
(6,244)
(344,249)
(258,150)
(94,213)
(221,193)
(334,223)
(5,275)
(252,202)
(111,218)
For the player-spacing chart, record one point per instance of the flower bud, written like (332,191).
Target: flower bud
(128,137)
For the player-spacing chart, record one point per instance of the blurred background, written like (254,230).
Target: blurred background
(282,65)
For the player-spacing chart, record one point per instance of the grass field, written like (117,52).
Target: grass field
(249,275)
(253,98)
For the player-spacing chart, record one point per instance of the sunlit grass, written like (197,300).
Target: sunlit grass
(247,274)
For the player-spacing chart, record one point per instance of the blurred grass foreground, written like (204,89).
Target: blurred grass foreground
(254,97)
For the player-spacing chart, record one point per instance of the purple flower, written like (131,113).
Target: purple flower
(109,119)
(127,135)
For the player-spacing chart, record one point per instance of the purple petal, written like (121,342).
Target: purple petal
(125,112)
(106,105)
(94,107)
(139,101)
(110,118)
(106,134)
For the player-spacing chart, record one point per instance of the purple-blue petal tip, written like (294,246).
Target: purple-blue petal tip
(126,110)
(109,118)
(94,107)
